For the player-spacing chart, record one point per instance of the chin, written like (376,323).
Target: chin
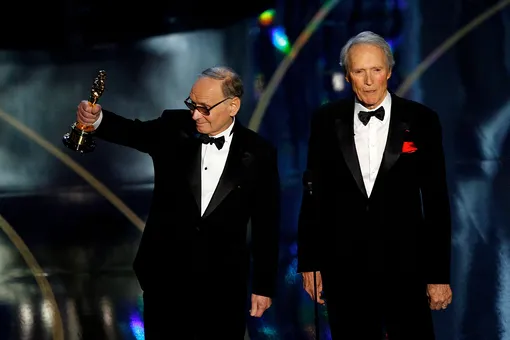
(203,130)
(367,102)
(370,100)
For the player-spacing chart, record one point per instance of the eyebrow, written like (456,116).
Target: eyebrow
(199,103)
(368,68)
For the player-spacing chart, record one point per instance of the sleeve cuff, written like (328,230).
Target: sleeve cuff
(98,121)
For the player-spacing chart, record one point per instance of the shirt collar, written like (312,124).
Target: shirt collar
(228,132)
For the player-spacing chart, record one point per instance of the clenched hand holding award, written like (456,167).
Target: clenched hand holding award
(80,136)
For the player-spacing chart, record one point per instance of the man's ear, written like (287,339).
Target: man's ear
(234,107)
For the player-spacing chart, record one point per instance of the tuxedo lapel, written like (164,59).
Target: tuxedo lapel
(395,139)
(233,170)
(345,132)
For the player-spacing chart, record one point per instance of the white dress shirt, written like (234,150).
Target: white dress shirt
(370,141)
(212,164)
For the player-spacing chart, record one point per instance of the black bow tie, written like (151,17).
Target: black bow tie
(364,116)
(218,141)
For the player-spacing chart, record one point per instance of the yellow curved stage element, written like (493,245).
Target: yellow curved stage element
(39,275)
(77,168)
(447,44)
(276,78)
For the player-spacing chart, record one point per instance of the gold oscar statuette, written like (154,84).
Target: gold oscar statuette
(80,136)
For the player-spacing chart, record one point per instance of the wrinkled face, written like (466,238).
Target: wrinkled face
(206,92)
(368,74)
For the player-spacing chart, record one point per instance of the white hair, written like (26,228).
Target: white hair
(369,38)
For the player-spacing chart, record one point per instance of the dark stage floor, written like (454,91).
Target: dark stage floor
(84,247)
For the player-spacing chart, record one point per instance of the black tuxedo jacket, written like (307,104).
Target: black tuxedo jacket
(403,228)
(177,240)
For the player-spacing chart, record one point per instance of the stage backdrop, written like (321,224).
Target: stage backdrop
(467,86)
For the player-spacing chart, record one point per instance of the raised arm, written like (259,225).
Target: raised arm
(133,133)
(140,135)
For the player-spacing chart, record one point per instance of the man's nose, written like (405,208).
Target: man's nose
(196,114)
(368,79)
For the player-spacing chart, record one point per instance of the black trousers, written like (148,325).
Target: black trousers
(365,308)
(196,314)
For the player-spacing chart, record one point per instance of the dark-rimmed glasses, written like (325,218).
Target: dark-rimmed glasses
(202,109)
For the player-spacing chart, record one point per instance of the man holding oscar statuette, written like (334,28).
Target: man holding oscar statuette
(197,261)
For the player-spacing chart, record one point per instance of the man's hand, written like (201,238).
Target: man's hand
(440,296)
(87,113)
(308,286)
(259,304)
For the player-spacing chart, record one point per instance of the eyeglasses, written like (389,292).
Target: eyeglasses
(202,109)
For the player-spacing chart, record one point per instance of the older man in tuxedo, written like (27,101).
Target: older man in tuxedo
(374,228)
(212,176)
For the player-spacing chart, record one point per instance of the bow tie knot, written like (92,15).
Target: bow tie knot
(218,141)
(364,116)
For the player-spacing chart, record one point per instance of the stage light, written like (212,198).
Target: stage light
(280,40)
(266,18)
(394,42)
(338,81)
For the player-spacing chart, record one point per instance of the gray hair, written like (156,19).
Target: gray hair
(369,38)
(232,85)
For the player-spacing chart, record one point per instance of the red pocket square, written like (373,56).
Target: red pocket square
(409,147)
